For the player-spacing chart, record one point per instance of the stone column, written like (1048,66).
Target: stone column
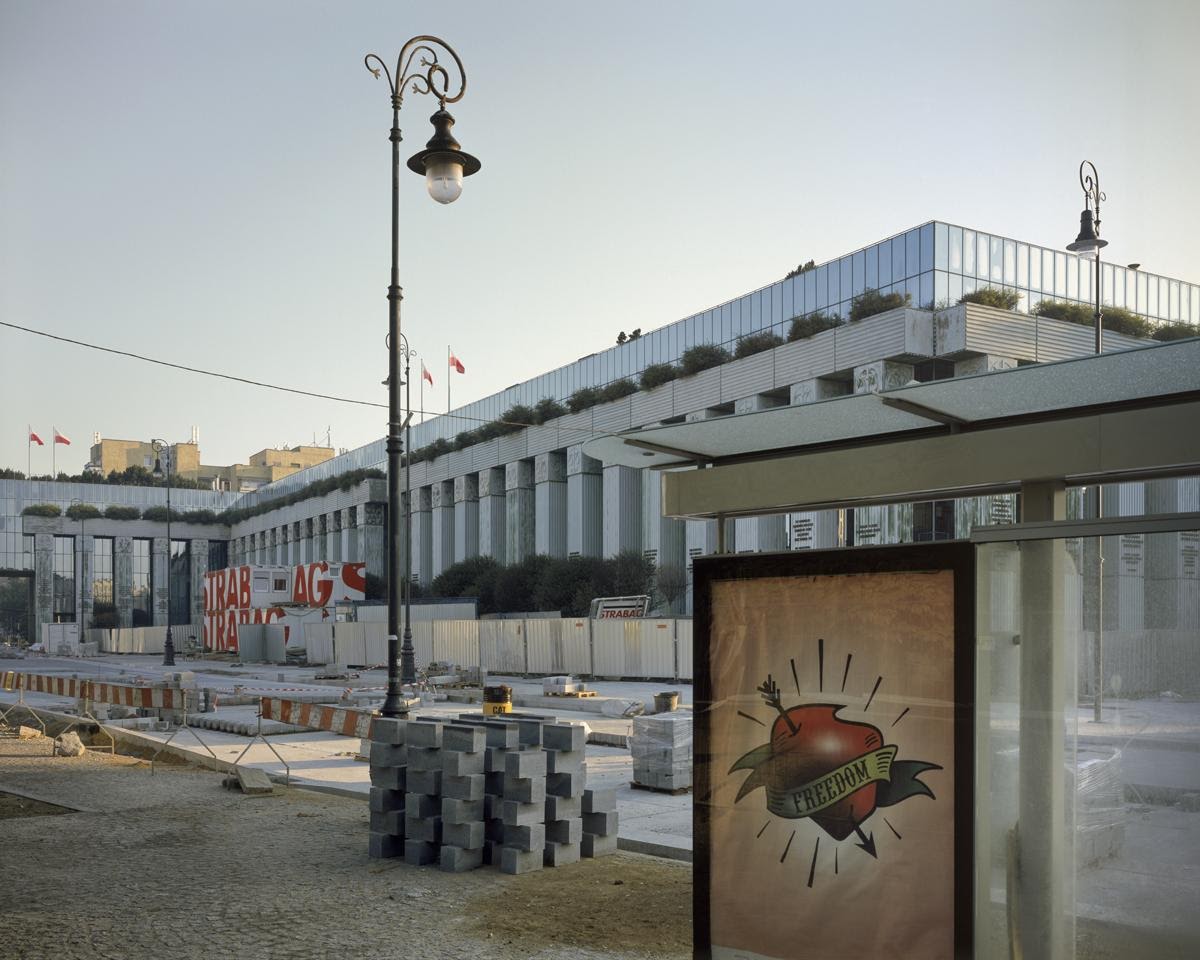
(466,517)
(493,524)
(43,581)
(319,537)
(197,568)
(123,579)
(818,388)
(622,509)
(585,504)
(441,501)
(158,580)
(700,540)
(759,534)
(664,543)
(372,534)
(422,536)
(881,375)
(550,503)
(333,537)
(83,576)
(983,363)
(518,510)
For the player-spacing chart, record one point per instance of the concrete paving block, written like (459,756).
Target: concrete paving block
(425,758)
(389,730)
(466,835)
(526,763)
(383,800)
(593,845)
(563,808)
(493,759)
(506,736)
(525,790)
(254,781)
(560,854)
(516,814)
(459,859)
(564,831)
(601,824)
(461,764)
(463,739)
(564,761)
(425,781)
(492,852)
(383,846)
(422,733)
(418,853)
(387,755)
(461,811)
(422,805)
(530,837)
(427,829)
(530,732)
(564,736)
(566,784)
(389,778)
(391,822)
(520,861)
(599,801)
(493,806)
(463,788)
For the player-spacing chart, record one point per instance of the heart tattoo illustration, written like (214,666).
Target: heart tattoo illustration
(833,771)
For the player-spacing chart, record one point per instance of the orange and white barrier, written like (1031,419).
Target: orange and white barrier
(316,716)
(128,695)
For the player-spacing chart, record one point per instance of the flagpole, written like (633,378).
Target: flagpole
(54,455)
(422,397)
(448,379)
(29,451)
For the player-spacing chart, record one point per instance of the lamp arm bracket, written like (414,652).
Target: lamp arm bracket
(418,65)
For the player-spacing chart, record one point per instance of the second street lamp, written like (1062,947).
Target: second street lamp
(443,164)
(162,451)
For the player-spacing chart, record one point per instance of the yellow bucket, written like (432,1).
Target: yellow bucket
(497,700)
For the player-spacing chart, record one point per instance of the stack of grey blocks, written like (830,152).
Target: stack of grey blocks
(463,760)
(423,801)
(662,751)
(566,777)
(599,823)
(389,766)
(523,803)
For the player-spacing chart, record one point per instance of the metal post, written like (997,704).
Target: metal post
(408,663)
(168,644)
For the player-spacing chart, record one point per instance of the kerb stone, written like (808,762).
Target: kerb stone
(564,831)
(562,808)
(469,836)
(418,853)
(593,845)
(525,764)
(566,784)
(384,846)
(459,860)
(525,790)
(462,764)
(424,734)
(425,781)
(599,801)
(601,824)
(564,736)
(531,837)
(463,739)
(389,778)
(520,861)
(461,811)
(389,730)
(560,854)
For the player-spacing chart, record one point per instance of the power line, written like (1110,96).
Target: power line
(275,386)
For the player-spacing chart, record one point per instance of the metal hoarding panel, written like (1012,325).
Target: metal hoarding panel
(375,638)
(456,641)
(543,645)
(577,646)
(350,645)
(252,642)
(608,648)
(318,642)
(274,643)
(422,632)
(502,647)
(683,650)
(657,648)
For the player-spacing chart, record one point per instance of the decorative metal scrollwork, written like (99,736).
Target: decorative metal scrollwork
(419,69)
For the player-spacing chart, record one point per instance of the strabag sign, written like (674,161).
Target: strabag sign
(620,608)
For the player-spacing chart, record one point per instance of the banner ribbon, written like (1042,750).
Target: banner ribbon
(832,787)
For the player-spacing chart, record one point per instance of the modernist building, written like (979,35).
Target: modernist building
(536,490)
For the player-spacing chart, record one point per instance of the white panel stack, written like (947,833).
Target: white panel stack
(661,746)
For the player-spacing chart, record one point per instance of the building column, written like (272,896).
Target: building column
(585,504)
(550,503)
(83,577)
(493,523)
(318,537)
(466,517)
(372,535)
(881,375)
(422,536)
(817,388)
(518,510)
(333,536)
(123,580)
(441,500)
(983,363)
(43,578)
(158,580)
(197,569)
(664,544)
(759,534)
(622,509)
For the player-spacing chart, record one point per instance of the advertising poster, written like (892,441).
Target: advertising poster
(831,778)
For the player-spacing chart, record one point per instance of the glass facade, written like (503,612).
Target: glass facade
(181,582)
(934,264)
(102,575)
(64,580)
(143,584)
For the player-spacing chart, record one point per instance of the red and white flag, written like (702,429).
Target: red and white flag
(34,438)
(425,374)
(456,363)
(59,438)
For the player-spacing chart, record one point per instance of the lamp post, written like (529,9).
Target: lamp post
(408,663)
(443,164)
(79,571)
(1089,240)
(161,447)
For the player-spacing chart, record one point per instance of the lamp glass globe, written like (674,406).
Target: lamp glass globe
(444,180)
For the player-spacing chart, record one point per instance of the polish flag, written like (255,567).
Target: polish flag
(425,374)
(34,438)
(59,438)
(456,363)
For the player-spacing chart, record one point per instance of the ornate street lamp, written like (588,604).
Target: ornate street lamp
(1089,231)
(161,447)
(443,164)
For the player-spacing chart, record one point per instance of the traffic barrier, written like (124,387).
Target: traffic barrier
(122,694)
(316,716)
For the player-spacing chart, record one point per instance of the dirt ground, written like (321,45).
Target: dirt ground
(171,864)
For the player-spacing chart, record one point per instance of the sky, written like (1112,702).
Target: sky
(209,183)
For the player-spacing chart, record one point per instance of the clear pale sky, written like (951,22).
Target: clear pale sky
(208,182)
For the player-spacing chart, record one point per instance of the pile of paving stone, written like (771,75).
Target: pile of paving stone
(465,793)
(661,746)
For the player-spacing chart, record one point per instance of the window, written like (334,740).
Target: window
(933,520)
(181,582)
(143,584)
(102,572)
(280,585)
(64,580)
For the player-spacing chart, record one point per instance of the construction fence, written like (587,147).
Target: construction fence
(658,649)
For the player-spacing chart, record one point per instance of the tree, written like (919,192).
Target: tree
(870,302)
(812,324)
(621,338)
(657,374)
(754,343)
(670,585)
(702,357)
(993,297)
